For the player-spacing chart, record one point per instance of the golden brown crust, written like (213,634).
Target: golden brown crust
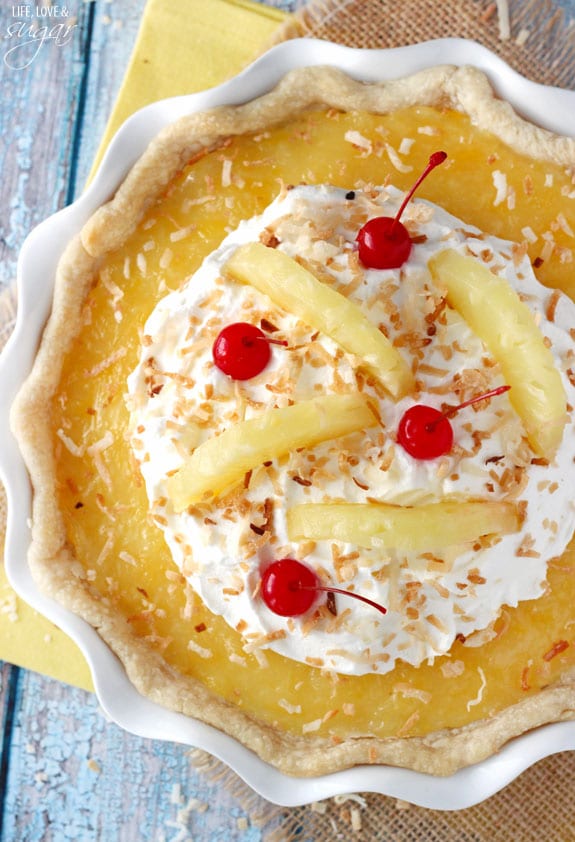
(51,559)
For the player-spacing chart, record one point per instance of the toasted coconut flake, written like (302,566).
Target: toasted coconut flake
(359,141)
(314,725)
(556,649)
(431,131)
(227,172)
(237,659)
(408,724)
(452,669)
(523,36)
(503,20)
(525,549)
(106,441)
(552,302)
(107,362)
(405,145)
(529,234)
(314,662)
(105,551)
(166,258)
(480,638)
(201,651)
(500,184)
(9,605)
(180,234)
(356,822)
(437,623)
(479,698)
(488,13)
(548,247)
(409,692)
(262,640)
(71,446)
(129,559)
(116,292)
(564,225)
(283,703)
(396,161)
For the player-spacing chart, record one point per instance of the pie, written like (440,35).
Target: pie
(165,487)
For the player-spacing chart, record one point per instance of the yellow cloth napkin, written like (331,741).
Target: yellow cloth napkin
(29,640)
(181,48)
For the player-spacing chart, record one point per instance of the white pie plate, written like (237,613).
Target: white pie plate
(550,107)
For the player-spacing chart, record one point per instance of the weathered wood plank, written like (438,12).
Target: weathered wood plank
(9,677)
(56,97)
(72,775)
(114,32)
(39,91)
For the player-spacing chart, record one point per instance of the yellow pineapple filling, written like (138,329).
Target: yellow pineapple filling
(102,494)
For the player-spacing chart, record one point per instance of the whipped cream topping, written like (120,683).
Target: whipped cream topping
(178,399)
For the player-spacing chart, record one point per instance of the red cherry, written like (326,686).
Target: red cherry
(289,588)
(384,242)
(242,350)
(426,433)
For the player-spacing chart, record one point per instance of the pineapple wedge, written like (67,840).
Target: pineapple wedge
(223,460)
(421,528)
(494,311)
(295,289)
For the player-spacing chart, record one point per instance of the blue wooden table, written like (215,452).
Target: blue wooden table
(65,772)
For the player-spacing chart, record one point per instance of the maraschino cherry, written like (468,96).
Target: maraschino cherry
(426,433)
(289,588)
(242,350)
(384,242)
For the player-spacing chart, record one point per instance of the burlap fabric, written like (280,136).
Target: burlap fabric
(537,806)
(535,39)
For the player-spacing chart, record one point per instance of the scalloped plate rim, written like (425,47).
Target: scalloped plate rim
(119,699)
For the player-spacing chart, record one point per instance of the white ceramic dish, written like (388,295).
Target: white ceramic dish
(552,108)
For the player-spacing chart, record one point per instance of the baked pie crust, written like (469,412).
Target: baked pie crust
(52,558)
